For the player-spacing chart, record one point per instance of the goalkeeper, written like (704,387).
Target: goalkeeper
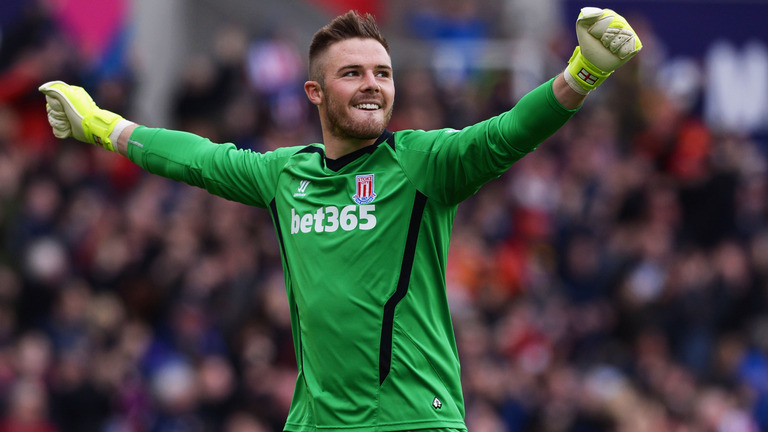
(364,218)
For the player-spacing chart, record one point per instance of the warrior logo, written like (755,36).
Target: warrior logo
(365,193)
(302,191)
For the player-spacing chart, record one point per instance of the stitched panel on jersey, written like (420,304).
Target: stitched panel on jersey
(385,347)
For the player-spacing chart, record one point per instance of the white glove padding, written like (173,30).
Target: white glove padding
(72,112)
(606,38)
(606,41)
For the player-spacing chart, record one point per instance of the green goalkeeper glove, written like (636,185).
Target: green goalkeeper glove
(72,112)
(606,41)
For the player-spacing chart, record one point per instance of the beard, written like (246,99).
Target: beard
(343,125)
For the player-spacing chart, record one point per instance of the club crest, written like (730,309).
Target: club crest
(364,191)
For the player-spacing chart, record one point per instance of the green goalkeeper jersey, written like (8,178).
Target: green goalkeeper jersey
(364,242)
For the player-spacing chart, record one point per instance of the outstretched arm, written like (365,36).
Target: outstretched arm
(221,169)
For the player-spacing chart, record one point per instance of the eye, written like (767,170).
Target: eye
(383,74)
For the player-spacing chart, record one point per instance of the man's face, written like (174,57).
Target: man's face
(358,90)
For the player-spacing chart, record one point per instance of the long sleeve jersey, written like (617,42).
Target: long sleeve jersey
(364,242)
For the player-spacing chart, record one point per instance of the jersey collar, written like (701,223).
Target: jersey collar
(337,164)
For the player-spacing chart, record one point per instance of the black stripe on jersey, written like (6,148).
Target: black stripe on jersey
(276,221)
(313,149)
(389,138)
(385,347)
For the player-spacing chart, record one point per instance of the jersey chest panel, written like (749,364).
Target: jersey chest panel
(344,234)
(342,219)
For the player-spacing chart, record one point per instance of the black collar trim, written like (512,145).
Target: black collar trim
(337,164)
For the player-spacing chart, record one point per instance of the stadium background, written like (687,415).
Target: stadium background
(615,279)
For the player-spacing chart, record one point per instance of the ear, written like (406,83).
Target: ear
(314,92)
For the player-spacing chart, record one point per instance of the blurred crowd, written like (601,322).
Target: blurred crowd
(616,279)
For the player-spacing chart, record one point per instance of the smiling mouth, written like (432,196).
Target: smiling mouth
(368,106)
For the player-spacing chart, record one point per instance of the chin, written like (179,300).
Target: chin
(368,130)
(366,134)
(360,127)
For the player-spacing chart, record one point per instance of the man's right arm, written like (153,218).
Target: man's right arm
(221,169)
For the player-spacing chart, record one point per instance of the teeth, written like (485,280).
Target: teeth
(368,106)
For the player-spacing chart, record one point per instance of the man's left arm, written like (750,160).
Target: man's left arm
(606,42)
(469,158)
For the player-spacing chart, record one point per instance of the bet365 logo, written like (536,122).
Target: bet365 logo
(331,218)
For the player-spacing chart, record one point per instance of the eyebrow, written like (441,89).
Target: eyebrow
(359,66)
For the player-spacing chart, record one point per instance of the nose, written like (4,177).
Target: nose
(370,83)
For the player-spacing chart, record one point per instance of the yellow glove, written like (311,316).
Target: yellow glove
(72,112)
(606,41)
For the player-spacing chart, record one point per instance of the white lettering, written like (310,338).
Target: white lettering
(348,218)
(319,216)
(306,223)
(294,222)
(367,219)
(333,219)
(330,219)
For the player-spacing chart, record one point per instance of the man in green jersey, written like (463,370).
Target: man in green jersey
(364,218)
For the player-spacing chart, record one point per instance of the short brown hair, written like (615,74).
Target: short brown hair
(348,26)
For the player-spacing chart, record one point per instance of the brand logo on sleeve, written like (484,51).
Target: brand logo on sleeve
(302,191)
(365,192)
(436,404)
